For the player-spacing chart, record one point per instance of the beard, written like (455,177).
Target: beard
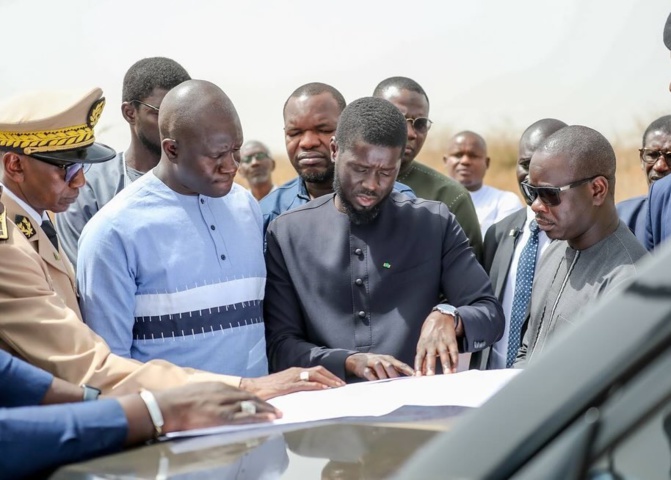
(318,177)
(358,216)
(154,148)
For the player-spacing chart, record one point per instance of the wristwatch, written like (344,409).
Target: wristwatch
(447,309)
(90,393)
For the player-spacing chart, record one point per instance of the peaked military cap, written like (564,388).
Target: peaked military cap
(54,126)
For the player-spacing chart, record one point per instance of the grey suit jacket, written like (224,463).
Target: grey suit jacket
(500,242)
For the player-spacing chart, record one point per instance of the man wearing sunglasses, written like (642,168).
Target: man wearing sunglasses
(256,166)
(655,157)
(41,178)
(144,85)
(658,218)
(411,99)
(571,191)
(513,247)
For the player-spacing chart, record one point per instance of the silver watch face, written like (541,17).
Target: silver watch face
(447,310)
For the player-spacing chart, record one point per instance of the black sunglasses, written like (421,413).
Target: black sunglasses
(549,195)
(254,156)
(71,169)
(651,156)
(420,124)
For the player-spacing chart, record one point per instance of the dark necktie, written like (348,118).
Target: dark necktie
(525,278)
(49,229)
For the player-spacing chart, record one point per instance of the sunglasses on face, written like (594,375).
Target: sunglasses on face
(71,169)
(419,124)
(254,156)
(651,156)
(549,195)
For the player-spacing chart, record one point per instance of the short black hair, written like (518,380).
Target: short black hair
(316,88)
(662,124)
(402,83)
(588,152)
(374,121)
(149,73)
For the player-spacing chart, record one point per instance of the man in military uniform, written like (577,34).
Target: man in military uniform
(46,141)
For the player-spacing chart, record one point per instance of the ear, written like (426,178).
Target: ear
(128,112)
(487,163)
(445,157)
(13,167)
(272,168)
(170,149)
(600,188)
(334,149)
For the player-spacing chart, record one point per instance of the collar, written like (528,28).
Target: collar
(29,210)
(303,190)
(530,216)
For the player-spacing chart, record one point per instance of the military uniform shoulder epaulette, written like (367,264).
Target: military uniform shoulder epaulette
(24,224)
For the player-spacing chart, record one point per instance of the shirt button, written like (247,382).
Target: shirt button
(202,200)
(223,257)
(362,314)
(358,252)
(358,281)
(212,227)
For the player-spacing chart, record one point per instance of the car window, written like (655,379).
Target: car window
(644,453)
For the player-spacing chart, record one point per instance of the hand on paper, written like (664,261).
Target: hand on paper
(437,339)
(209,404)
(372,366)
(291,380)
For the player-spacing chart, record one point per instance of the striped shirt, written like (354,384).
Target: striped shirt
(177,277)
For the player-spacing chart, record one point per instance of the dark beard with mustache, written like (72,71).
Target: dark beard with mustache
(319,178)
(357,216)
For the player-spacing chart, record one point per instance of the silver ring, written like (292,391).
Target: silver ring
(305,376)
(248,407)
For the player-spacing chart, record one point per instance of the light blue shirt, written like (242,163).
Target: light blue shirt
(177,277)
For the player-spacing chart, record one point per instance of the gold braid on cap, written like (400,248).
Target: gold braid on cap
(68,138)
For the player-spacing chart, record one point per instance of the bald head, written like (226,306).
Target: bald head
(473,137)
(587,153)
(572,186)
(531,139)
(254,146)
(537,132)
(184,107)
(466,160)
(201,138)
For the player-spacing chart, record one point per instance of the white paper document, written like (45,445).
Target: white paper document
(373,399)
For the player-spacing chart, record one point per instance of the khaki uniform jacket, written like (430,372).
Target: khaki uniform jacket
(40,320)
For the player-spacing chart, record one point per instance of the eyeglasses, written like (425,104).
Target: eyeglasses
(420,124)
(254,156)
(145,104)
(650,156)
(71,169)
(549,195)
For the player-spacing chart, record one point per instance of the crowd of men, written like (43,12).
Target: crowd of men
(149,276)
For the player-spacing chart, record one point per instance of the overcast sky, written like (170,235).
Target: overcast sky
(487,65)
